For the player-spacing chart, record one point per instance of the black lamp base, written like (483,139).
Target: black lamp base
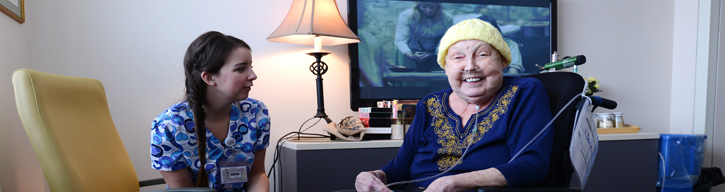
(323,116)
(319,68)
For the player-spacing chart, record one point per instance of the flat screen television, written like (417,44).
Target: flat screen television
(381,70)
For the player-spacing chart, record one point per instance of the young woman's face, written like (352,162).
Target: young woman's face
(483,60)
(428,9)
(234,80)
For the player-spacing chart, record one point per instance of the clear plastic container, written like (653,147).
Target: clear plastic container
(605,120)
(618,120)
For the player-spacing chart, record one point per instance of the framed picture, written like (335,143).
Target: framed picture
(14,8)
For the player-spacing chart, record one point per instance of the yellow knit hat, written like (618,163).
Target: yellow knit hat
(473,29)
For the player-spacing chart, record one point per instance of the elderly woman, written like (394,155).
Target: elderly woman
(498,116)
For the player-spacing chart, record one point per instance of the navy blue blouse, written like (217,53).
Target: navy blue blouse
(437,138)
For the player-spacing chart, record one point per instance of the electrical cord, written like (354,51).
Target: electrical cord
(278,146)
(284,138)
(664,174)
(544,129)
(584,89)
(303,124)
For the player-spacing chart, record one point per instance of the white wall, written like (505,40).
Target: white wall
(135,48)
(18,165)
(683,67)
(629,47)
(718,146)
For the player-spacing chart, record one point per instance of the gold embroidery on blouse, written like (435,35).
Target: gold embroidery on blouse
(452,141)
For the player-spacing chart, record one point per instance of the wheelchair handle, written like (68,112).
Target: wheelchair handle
(603,102)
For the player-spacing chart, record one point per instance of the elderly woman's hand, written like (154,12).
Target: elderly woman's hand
(469,181)
(369,181)
(447,183)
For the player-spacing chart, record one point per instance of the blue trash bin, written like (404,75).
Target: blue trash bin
(680,162)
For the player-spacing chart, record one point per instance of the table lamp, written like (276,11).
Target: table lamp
(317,23)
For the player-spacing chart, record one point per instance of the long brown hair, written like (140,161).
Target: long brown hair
(206,53)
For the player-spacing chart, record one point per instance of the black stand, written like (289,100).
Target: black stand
(319,68)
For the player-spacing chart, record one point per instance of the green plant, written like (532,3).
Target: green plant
(592,86)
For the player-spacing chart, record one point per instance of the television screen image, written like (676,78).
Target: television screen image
(397,53)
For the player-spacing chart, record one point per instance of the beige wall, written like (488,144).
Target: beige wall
(135,48)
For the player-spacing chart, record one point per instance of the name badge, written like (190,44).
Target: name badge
(233,174)
(233,171)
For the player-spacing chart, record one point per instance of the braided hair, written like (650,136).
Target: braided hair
(207,53)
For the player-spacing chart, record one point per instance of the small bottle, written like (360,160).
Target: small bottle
(619,121)
(398,131)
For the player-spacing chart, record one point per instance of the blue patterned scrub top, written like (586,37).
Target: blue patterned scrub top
(174,142)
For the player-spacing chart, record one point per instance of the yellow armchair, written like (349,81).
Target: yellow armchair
(69,125)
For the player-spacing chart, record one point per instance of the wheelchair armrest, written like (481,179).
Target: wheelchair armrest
(541,189)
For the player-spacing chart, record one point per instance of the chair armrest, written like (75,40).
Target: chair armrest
(541,189)
(150,182)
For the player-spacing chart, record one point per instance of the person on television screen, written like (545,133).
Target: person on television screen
(217,136)
(516,66)
(417,35)
(372,63)
(486,116)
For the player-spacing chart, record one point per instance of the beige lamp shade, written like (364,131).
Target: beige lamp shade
(308,19)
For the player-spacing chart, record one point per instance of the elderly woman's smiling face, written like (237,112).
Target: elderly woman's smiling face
(474,69)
